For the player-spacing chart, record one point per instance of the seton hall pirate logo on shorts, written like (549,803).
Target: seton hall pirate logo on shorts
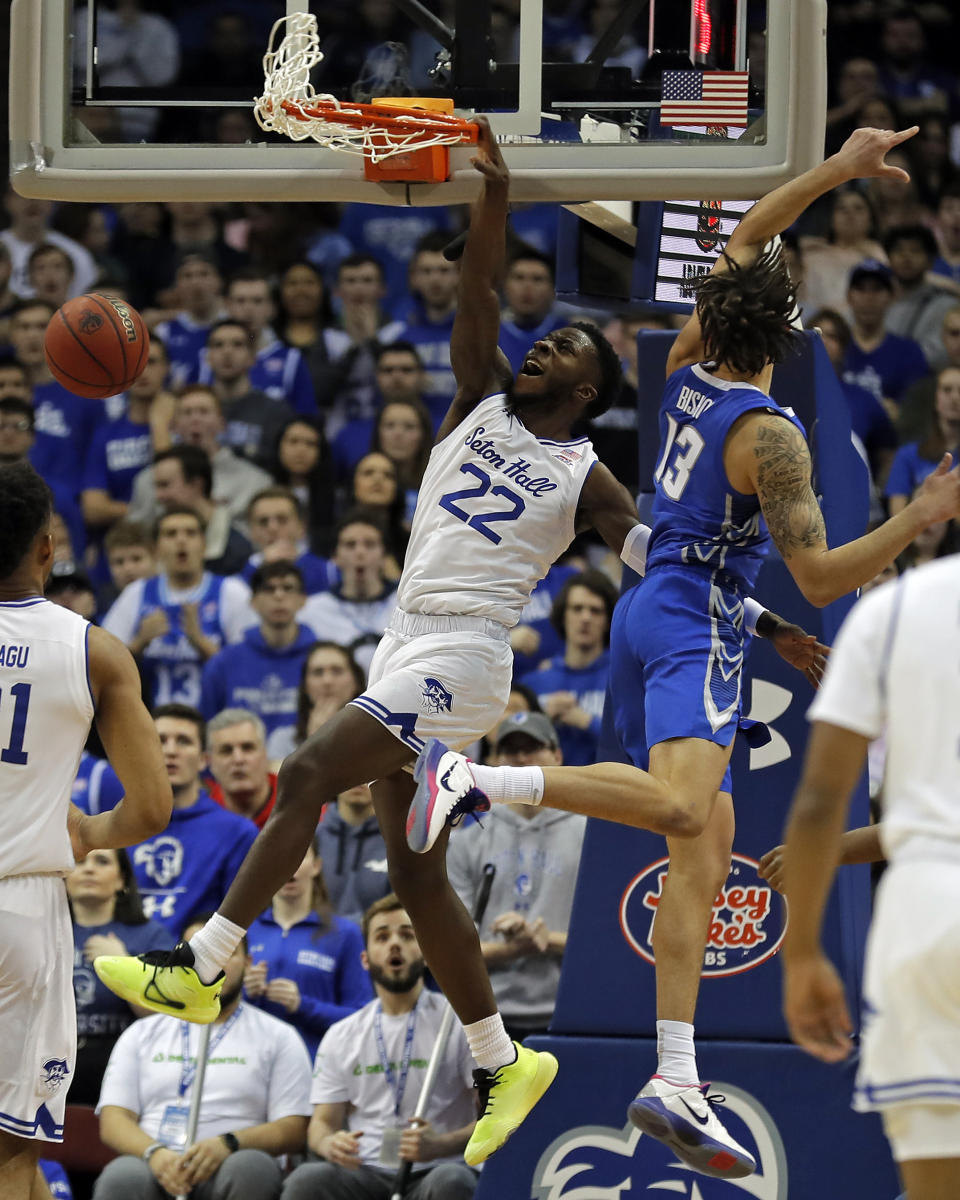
(53,1074)
(747,926)
(434,697)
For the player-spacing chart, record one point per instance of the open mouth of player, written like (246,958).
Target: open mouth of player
(396,962)
(531,367)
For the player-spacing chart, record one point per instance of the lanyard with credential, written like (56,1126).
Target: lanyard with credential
(187,1068)
(397,1086)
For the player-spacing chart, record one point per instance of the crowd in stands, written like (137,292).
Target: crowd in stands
(239,519)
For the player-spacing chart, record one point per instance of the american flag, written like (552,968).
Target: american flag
(704,98)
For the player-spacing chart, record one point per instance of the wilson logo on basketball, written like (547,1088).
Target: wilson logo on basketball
(746,928)
(89,321)
(708,225)
(125,319)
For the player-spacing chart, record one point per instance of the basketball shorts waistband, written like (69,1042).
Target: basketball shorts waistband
(411,625)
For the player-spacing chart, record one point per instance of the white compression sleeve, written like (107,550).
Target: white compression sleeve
(752,611)
(634,552)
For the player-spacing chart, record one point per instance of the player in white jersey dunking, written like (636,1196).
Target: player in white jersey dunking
(895,670)
(507,486)
(56,673)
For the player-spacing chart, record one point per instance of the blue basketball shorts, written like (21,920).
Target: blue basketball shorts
(676,660)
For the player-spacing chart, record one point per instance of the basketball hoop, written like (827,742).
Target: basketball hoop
(400,138)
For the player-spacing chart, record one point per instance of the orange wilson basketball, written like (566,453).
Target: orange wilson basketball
(96,345)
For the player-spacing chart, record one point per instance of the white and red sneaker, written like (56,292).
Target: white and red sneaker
(682,1116)
(446,793)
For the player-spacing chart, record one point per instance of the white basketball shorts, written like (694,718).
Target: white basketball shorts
(442,677)
(38,1019)
(910,1050)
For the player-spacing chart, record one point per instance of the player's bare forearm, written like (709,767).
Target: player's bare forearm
(607,507)
(130,739)
(780,471)
(860,157)
(833,763)
(861,845)
(476,328)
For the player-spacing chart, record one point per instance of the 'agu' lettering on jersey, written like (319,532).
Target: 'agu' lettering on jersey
(45,713)
(698,518)
(497,506)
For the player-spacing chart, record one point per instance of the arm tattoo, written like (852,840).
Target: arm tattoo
(783,487)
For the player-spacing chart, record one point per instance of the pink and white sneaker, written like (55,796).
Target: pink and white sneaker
(682,1116)
(446,793)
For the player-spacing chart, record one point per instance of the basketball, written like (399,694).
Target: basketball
(96,345)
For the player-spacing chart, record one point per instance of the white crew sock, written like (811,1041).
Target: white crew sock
(676,1055)
(489,1044)
(509,785)
(212,946)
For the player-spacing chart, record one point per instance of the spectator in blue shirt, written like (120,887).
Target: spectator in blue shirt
(280,371)
(305,963)
(404,433)
(571,687)
(188,868)
(63,423)
(107,919)
(869,420)
(400,377)
(433,283)
(275,521)
(303,464)
(883,363)
(122,448)
(535,639)
(199,290)
(528,290)
(916,460)
(916,85)
(262,672)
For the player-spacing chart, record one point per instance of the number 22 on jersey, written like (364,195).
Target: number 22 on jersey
(686,445)
(482,521)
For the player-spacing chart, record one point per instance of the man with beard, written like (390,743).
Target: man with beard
(369,1070)
(255,1102)
(507,487)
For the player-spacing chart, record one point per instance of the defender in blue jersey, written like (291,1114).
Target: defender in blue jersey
(733,474)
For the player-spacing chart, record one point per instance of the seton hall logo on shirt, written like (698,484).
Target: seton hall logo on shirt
(747,926)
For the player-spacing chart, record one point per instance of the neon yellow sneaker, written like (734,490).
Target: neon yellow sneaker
(164,981)
(506,1096)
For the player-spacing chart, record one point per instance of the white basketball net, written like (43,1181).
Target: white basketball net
(287,71)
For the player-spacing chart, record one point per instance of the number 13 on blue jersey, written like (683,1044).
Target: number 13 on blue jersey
(688,446)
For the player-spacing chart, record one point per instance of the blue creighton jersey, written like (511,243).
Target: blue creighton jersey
(698,518)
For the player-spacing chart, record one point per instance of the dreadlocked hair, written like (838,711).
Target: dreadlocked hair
(745,312)
(611,373)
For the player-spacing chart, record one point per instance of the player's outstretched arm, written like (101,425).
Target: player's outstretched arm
(768,455)
(133,748)
(860,157)
(476,361)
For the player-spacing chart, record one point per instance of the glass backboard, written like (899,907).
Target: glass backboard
(644,100)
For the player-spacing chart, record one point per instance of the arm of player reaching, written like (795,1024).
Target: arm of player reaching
(133,748)
(608,507)
(860,157)
(814,1001)
(768,455)
(474,355)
